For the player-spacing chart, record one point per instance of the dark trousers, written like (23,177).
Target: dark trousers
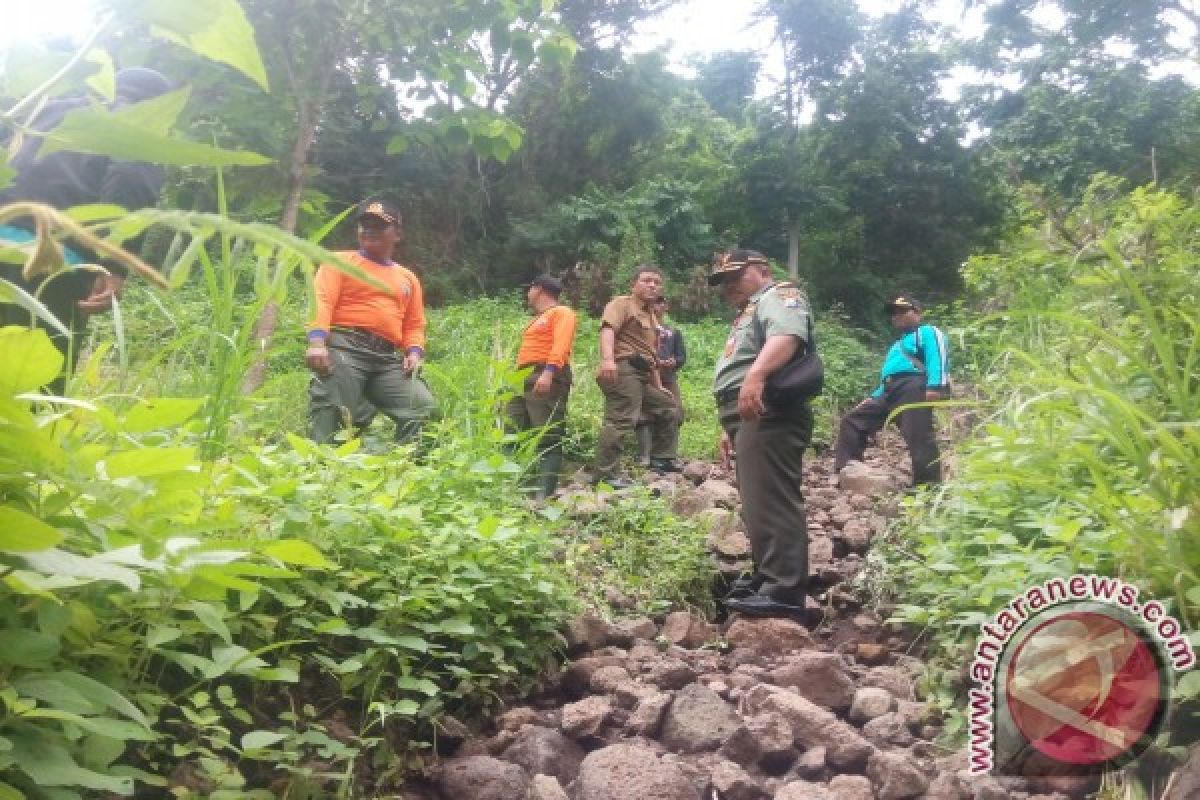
(643,424)
(528,411)
(769,455)
(624,402)
(916,426)
(364,374)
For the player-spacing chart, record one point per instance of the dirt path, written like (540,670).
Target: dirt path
(682,708)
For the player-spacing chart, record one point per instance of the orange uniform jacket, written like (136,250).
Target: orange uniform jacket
(548,339)
(397,314)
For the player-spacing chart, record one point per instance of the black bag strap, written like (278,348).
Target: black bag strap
(761,333)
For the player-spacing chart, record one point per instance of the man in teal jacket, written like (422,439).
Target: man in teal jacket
(916,369)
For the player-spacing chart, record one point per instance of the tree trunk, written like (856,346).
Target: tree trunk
(793,264)
(306,131)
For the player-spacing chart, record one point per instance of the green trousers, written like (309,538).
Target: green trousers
(629,398)
(530,411)
(769,455)
(359,374)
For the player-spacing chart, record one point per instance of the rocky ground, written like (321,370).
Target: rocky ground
(680,708)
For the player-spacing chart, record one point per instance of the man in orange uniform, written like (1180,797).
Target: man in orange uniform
(546,347)
(367,342)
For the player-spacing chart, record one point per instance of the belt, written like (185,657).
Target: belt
(366,339)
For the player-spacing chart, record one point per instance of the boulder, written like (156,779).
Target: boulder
(813,726)
(870,653)
(646,720)
(587,717)
(894,679)
(686,629)
(894,776)
(606,679)
(669,673)
(637,628)
(612,772)
(863,479)
(698,720)
(871,702)
(719,493)
(731,782)
(697,471)
(769,636)
(810,766)
(887,731)
(856,533)
(584,633)
(546,752)
(851,787)
(729,543)
(483,778)
(803,790)
(578,678)
(546,787)
(820,676)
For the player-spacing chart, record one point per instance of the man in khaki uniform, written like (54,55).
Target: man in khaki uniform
(768,441)
(628,376)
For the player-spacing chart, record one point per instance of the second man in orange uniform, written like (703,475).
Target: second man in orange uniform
(546,348)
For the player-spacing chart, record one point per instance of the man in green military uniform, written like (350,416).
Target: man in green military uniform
(767,440)
(628,376)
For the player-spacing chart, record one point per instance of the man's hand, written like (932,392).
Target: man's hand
(105,289)
(751,405)
(317,359)
(932,395)
(412,362)
(607,374)
(544,383)
(726,446)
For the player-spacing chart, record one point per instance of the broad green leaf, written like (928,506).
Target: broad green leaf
(160,412)
(1188,686)
(457,627)
(255,740)
(48,764)
(422,685)
(104,79)
(10,793)
(24,533)
(1193,595)
(60,562)
(162,634)
(397,144)
(149,461)
(215,29)
(138,132)
(95,212)
(30,360)
(212,619)
(102,726)
(99,693)
(294,551)
(25,648)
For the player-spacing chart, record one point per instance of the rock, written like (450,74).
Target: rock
(819,676)
(858,477)
(619,600)
(669,673)
(869,703)
(894,679)
(811,764)
(690,503)
(894,776)
(803,790)
(856,533)
(888,730)
(686,629)
(483,778)
(813,726)
(851,787)
(1185,782)
(637,628)
(614,771)
(871,654)
(775,740)
(629,694)
(698,720)
(697,471)
(586,717)
(769,636)
(451,733)
(546,787)
(946,787)
(728,543)
(647,718)
(606,679)
(731,782)
(545,751)
(915,715)
(985,787)
(514,718)
(820,552)
(719,493)
(578,678)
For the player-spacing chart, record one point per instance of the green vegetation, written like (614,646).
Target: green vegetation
(1089,457)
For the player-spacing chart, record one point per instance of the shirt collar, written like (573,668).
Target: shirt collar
(388,263)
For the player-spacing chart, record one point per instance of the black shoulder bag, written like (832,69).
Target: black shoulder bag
(800,379)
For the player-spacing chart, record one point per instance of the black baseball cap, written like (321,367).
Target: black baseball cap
(902,302)
(547,282)
(380,209)
(733,262)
